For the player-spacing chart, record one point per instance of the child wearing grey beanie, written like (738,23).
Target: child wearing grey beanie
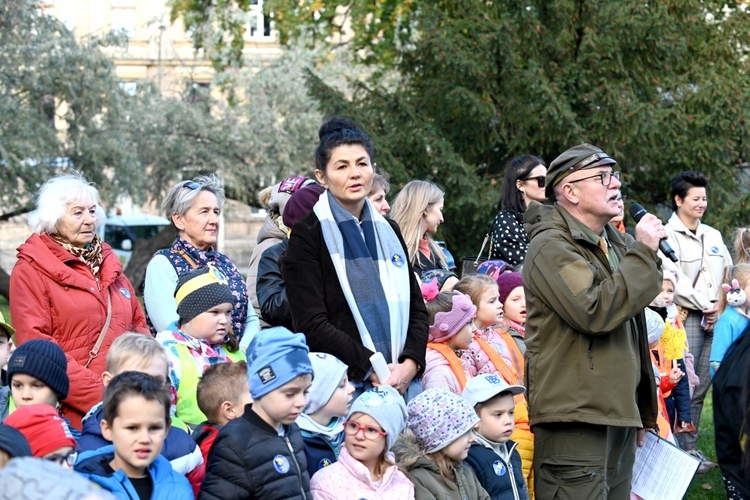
(328,402)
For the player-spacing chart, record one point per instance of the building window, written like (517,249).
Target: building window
(123,16)
(199,94)
(45,5)
(259,25)
(129,88)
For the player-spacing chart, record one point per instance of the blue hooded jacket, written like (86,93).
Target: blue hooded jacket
(168,484)
(179,448)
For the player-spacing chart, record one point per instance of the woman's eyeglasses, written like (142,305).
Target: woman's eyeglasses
(372,433)
(192,185)
(69,459)
(540,180)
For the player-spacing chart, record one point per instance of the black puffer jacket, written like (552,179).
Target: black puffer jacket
(271,290)
(250,460)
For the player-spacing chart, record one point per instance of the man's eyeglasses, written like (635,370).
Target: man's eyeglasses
(69,459)
(372,433)
(192,185)
(606,178)
(540,180)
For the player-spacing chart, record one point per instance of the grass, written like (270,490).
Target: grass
(707,486)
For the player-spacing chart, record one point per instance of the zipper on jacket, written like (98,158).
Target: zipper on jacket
(510,471)
(591,354)
(512,478)
(299,471)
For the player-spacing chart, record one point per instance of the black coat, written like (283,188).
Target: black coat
(729,412)
(270,288)
(249,460)
(319,307)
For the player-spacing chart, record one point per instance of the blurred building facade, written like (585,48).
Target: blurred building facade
(157,50)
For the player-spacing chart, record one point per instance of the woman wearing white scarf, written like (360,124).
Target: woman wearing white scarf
(351,289)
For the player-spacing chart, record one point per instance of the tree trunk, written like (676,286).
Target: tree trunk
(4,284)
(143,251)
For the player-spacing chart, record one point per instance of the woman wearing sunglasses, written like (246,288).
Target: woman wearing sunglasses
(194,207)
(524,182)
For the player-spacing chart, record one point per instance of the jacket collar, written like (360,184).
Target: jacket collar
(261,424)
(51,259)
(362,473)
(679,226)
(503,449)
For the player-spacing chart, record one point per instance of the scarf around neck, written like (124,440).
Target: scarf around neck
(332,431)
(176,255)
(91,254)
(373,272)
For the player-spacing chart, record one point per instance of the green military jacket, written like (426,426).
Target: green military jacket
(587,356)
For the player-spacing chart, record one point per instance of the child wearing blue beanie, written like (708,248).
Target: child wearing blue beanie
(261,454)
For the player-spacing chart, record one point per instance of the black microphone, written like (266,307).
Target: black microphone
(637,212)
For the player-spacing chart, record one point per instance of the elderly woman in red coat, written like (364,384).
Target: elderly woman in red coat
(68,286)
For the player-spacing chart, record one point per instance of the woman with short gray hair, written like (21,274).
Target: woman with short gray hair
(194,208)
(68,287)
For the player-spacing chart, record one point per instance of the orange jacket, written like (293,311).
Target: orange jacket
(54,296)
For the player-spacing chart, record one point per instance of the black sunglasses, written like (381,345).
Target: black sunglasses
(540,180)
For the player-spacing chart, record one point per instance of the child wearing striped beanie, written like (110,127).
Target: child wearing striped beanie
(200,338)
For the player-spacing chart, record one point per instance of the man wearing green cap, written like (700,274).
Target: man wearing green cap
(589,377)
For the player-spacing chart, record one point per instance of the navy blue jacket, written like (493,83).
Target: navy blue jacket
(502,481)
(168,485)
(678,401)
(318,451)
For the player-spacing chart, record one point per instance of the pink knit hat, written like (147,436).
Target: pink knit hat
(448,324)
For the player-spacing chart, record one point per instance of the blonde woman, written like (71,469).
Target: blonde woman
(742,245)
(418,211)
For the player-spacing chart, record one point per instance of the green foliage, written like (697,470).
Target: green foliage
(47,77)
(267,134)
(60,99)
(660,86)
(216,25)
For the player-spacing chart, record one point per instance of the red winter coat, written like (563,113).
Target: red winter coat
(54,296)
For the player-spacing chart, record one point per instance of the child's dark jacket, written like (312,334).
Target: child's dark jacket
(249,460)
(502,480)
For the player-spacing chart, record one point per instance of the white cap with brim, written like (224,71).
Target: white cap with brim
(486,386)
